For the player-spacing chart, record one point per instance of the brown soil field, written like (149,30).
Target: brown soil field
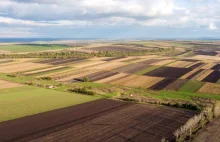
(176,85)
(107,66)
(97,76)
(20,67)
(114,77)
(189,60)
(43,70)
(137,81)
(150,61)
(216,67)
(132,68)
(164,62)
(198,65)
(6,84)
(210,133)
(86,64)
(74,74)
(170,72)
(60,61)
(204,74)
(212,77)
(205,53)
(101,120)
(210,88)
(185,76)
(113,58)
(162,84)
(180,64)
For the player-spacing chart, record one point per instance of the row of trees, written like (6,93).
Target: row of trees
(72,54)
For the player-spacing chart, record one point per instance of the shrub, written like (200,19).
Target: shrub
(86,79)
(46,78)
(82,91)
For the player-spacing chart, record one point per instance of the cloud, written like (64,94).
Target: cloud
(212,26)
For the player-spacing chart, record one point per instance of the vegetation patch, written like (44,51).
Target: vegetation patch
(191,86)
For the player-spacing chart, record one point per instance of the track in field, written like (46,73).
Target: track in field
(101,120)
(170,72)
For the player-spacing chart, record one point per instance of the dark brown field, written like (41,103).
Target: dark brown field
(162,84)
(216,67)
(196,65)
(132,68)
(176,85)
(189,60)
(208,53)
(170,72)
(213,77)
(98,121)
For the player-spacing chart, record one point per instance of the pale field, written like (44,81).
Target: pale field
(189,73)
(138,81)
(77,74)
(57,73)
(180,64)
(202,76)
(108,66)
(7,84)
(208,66)
(210,88)
(164,62)
(205,58)
(109,79)
(20,67)
(87,64)
(42,70)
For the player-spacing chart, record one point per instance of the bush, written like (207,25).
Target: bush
(46,78)
(82,91)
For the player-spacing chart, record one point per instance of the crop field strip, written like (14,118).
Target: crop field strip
(107,65)
(101,120)
(60,61)
(132,68)
(56,68)
(197,65)
(20,67)
(97,76)
(216,67)
(170,72)
(6,61)
(210,88)
(113,58)
(180,64)
(212,77)
(208,66)
(205,53)
(150,61)
(194,74)
(176,85)
(137,81)
(162,84)
(6,84)
(118,48)
(112,78)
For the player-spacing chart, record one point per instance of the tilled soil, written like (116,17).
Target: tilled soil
(98,121)
(213,77)
(132,68)
(171,72)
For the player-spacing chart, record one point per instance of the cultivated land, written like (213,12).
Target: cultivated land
(63,82)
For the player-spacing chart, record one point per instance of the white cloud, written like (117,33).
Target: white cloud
(17,32)
(212,26)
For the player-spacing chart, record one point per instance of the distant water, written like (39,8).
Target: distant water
(38,39)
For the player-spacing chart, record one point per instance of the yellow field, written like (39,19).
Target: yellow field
(106,80)
(202,76)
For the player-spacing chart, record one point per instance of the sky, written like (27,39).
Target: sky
(110,19)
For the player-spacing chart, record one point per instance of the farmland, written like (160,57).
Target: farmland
(95,95)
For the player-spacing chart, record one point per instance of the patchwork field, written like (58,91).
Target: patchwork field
(102,120)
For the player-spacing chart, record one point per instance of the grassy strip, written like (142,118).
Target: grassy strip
(29,100)
(147,70)
(191,86)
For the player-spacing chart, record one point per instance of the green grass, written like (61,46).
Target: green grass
(191,86)
(149,69)
(28,100)
(31,47)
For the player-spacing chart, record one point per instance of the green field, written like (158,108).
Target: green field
(27,100)
(191,86)
(31,47)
